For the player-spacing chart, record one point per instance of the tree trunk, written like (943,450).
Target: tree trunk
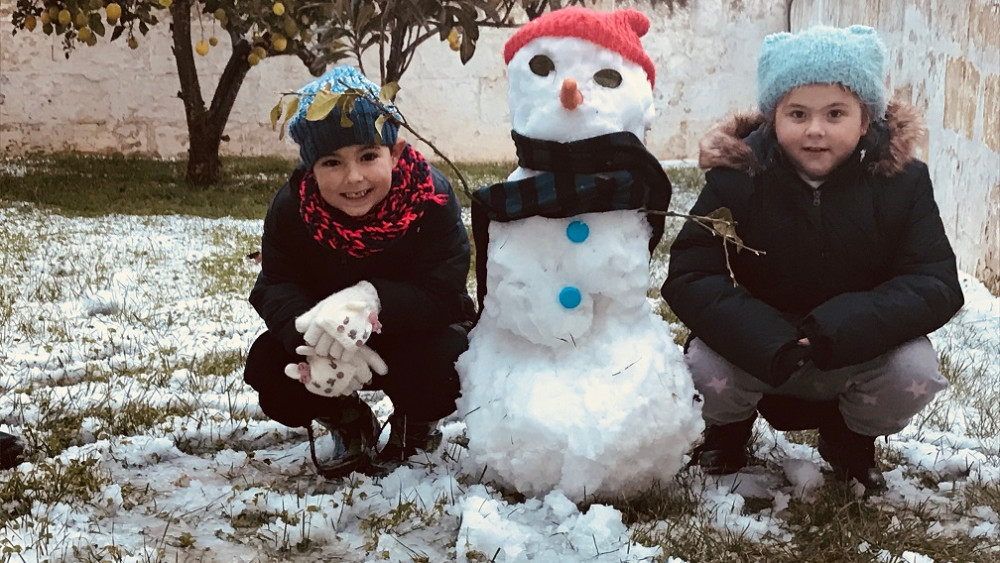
(205,125)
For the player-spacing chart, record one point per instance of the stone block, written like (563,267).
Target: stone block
(991,112)
(961,95)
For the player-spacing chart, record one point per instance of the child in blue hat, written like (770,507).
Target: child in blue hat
(827,327)
(364,260)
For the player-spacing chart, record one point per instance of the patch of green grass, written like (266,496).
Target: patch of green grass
(51,481)
(93,185)
(225,274)
(834,526)
(686,180)
(219,362)
(90,186)
(840,527)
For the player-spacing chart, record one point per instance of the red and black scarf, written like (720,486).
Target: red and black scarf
(412,190)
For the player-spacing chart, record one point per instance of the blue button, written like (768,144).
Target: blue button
(569,297)
(577,231)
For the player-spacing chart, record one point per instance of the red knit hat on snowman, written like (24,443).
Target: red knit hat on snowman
(617,31)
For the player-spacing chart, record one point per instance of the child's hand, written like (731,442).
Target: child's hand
(331,377)
(340,324)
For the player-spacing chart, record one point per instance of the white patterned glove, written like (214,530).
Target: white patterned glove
(332,377)
(340,324)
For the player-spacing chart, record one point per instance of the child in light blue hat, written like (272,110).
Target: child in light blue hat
(364,259)
(826,328)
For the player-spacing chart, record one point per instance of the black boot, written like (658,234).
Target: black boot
(723,449)
(354,430)
(11,451)
(851,455)
(408,437)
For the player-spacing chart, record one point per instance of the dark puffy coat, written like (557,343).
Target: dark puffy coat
(859,265)
(420,279)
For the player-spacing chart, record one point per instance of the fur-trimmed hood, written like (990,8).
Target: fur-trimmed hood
(742,141)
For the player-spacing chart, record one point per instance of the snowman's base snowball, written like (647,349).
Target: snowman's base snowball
(611,417)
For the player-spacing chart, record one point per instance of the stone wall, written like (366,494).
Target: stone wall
(108,98)
(944,56)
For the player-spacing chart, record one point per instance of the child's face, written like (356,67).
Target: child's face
(354,179)
(819,125)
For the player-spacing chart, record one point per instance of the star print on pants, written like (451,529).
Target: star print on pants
(917,389)
(868,399)
(718,384)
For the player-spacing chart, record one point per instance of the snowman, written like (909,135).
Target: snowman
(571,382)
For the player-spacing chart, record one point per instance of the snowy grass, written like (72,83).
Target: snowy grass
(122,342)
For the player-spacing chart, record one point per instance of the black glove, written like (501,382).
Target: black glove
(789,359)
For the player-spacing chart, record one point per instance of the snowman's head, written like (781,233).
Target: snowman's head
(578,73)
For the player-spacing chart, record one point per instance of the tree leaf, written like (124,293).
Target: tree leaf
(290,110)
(379,122)
(95,23)
(467,49)
(388,92)
(345,103)
(723,224)
(322,104)
(275,115)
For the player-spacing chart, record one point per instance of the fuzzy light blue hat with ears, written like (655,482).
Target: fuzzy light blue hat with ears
(853,56)
(320,138)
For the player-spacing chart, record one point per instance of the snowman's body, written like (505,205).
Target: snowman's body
(564,291)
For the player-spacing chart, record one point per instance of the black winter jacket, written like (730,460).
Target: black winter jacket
(859,265)
(420,279)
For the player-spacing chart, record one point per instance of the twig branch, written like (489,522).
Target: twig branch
(720,223)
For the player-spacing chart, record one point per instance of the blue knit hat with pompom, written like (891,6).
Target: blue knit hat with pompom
(853,56)
(320,138)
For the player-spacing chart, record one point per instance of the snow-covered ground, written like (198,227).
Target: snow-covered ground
(121,342)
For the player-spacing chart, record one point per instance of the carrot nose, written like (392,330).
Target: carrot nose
(569,95)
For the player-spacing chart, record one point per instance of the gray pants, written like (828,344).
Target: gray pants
(876,397)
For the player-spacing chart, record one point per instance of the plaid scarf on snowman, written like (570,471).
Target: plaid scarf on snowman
(605,173)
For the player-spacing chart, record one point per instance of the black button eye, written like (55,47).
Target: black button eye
(541,65)
(608,78)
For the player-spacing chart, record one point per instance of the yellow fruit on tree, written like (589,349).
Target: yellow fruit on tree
(84,34)
(454,40)
(220,14)
(133,43)
(53,14)
(278,42)
(166,3)
(278,8)
(45,18)
(213,41)
(114,12)
(289,26)
(65,17)
(259,51)
(96,4)
(81,20)
(29,22)
(253,59)
(201,47)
